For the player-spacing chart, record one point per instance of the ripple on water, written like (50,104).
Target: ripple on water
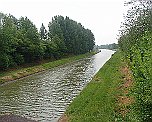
(45,96)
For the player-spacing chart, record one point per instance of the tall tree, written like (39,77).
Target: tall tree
(20,41)
(31,46)
(77,39)
(43,32)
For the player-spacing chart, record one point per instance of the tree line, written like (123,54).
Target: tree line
(136,43)
(21,42)
(109,46)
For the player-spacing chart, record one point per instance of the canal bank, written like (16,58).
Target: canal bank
(7,76)
(106,98)
(45,96)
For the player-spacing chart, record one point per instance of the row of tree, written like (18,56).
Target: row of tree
(20,41)
(136,43)
(109,46)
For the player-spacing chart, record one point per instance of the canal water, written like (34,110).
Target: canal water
(45,96)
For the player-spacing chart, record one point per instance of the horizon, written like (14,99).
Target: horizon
(103,18)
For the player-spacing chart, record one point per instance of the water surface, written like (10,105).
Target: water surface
(45,96)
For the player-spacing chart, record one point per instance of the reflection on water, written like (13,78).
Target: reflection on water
(45,96)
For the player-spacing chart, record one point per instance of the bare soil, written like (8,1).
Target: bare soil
(63,118)
(124,99)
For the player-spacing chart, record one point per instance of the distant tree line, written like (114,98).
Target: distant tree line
(136,43)
(109,46)
(21,42)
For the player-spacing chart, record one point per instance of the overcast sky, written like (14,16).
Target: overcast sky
(103,17)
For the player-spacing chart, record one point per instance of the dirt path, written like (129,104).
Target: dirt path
(124,99)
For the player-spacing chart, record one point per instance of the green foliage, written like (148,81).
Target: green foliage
(74,37)
(5,60)
(43,32)
(136,42)
(20,41)
(22,72)
(109,46)
(8,42)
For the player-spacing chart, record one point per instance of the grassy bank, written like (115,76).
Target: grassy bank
(106,98)
(6,76)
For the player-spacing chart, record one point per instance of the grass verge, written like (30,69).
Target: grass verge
(16,74)
(100,101)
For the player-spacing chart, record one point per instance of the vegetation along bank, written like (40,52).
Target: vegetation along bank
(122,89)
(11,75)
(136,43)
(22,43)
(106,98)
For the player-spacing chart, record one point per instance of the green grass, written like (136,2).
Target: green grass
(6,76)
(97,102)
(65,60)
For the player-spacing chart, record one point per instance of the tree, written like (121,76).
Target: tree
(20,41)
(31,46)
(76,38)
(136,43)
(8,42)
(43,32)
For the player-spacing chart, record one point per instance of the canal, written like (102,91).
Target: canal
(45,96)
